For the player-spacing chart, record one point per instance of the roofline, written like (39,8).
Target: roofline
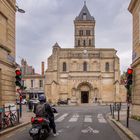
(132,5)
(33,76)
(89,48)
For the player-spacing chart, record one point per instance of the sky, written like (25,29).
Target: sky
(46,22)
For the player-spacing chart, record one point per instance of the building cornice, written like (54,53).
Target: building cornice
(5,48)
(132,5)
(7,63)
(33,76)
(136,62)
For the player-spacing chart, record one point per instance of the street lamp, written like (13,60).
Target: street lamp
(19,10)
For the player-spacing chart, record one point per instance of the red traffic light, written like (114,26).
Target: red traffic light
(18,72)
(129,71)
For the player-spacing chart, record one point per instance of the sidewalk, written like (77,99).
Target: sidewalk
(24,120)
(133,132)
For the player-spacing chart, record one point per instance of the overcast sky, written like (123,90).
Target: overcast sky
(48,21)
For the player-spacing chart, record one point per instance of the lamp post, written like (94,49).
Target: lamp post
(20,92)
(19,9)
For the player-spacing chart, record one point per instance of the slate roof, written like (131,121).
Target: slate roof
(86,12)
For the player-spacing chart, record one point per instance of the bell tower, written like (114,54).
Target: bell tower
(84,29)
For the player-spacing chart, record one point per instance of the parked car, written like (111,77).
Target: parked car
(24,101)
(34,100)
(62,102)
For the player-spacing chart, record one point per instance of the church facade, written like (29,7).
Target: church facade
(84,73)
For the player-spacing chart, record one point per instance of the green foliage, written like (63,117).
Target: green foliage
(136,117)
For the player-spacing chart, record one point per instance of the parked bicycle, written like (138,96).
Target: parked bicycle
(8,118)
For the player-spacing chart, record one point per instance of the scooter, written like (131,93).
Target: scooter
(40,128)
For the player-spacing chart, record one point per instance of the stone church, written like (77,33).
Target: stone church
(84,73)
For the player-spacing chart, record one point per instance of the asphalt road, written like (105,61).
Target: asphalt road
(85,122)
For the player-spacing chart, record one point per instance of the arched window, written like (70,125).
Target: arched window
(64,66)
(107,67)
(89,42)
(80,32)
(85,66)
(84,43)
(88,32)
(78,42)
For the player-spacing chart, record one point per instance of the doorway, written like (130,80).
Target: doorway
(84,96)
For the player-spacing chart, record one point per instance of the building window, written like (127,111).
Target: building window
(107,67)
(84,43)
(64,66)
(88,32)
(32,83)
(80,32)
(3,29)
(89,42)
(85,66)
(78,42)
(40,83)
(84,16)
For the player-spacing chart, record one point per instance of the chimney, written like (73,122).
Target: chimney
(42,68)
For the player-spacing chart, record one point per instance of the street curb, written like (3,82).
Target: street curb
(125,130)
(13,128)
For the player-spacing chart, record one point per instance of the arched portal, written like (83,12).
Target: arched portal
(85,92)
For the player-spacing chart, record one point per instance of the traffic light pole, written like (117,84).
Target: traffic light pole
(129,82)
(20,107)
(128,111)
(18,83)
(128,106)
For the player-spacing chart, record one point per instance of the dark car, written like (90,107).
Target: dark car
(64,102)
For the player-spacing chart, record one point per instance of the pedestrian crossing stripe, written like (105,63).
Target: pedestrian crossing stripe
(101,118)
(75,117)
(61,118)
(88,118)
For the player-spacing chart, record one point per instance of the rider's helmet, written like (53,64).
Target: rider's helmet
(42,98)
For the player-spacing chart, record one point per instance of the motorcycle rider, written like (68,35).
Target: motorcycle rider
(49,112)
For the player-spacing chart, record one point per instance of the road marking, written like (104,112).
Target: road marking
(61,118)
(59,131)
(89,130)
(88,118)
(10,135)
(101,118)
(22,129)
(56,114)
(74,118)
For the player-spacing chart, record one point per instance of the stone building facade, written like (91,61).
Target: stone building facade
(7,51)
(33,82)
(134,8)
(34,85)
(84,72)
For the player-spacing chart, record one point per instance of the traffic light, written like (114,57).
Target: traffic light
(18,77)
(129,76)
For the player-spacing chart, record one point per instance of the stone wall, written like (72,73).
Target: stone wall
(7,51)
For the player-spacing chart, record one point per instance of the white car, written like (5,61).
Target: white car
(34,101)
(24,101)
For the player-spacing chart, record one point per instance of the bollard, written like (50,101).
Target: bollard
(0,120)
(118,108)
(111,109)
(128,111)
(18,115)
(113,112)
